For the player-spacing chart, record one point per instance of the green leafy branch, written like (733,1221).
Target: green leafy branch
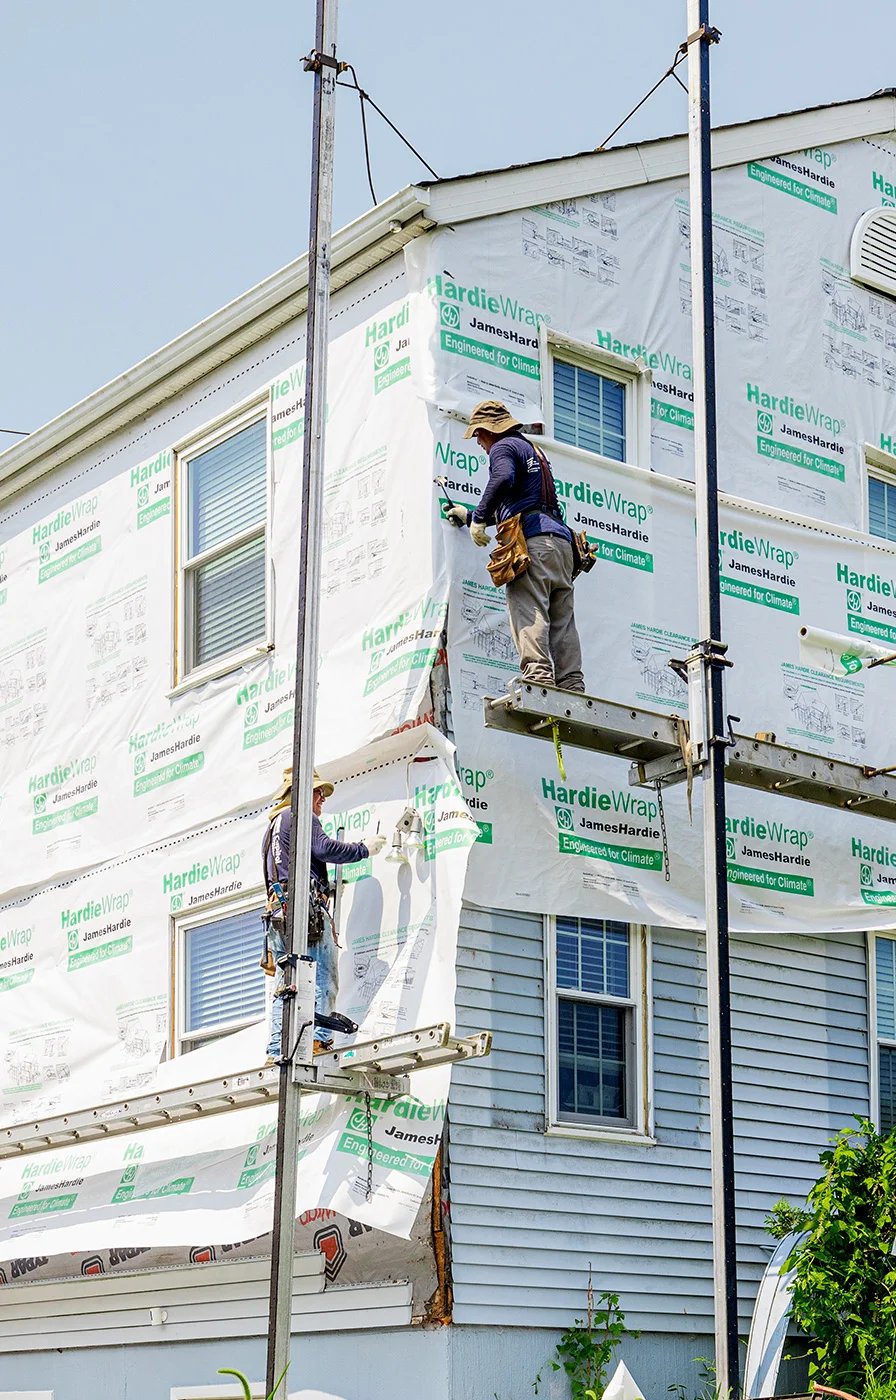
(585,1350)
(247,1389)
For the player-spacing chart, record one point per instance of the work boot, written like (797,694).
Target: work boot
(322,1047)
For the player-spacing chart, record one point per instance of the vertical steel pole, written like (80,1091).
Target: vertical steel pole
(322,64)
(700,38)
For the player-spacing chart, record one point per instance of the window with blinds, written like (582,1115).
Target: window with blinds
(225,558)
(885,1009)
(223,986)
(589,410)
(881,507)
(595,1028)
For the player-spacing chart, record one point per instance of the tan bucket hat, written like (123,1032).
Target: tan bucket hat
(286,786)
(492,415)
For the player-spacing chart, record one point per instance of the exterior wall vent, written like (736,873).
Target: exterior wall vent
(872,252)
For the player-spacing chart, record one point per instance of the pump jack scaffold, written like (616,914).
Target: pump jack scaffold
(379,1067)
(662,750)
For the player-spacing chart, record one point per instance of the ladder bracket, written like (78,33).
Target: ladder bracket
(314,61)
(650,741)
(377,1067)
(399,1054)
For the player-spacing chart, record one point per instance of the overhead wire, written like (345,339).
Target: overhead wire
(14,432)
(365,98)
(680,54)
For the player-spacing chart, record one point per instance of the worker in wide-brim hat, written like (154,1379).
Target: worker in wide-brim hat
(540,600)
(325,851)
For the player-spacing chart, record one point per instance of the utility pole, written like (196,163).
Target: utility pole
(322,63)
(706,666)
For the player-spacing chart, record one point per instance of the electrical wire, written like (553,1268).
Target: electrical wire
(364,97)
(14,432)
(680,53)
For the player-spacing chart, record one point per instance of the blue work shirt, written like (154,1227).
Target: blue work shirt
(515,488)
(324,850)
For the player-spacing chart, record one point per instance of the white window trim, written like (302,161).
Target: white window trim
(634,374)
(875,1041)
(881,466)
(252,411)
(641,980)
(181,923)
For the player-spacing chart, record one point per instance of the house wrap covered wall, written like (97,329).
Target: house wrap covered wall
(804,374)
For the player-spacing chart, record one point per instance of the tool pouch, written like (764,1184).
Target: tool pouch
(317,911)
(267,963)
(583,556)
(510,557)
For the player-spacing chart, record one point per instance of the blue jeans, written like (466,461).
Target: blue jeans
(324,955)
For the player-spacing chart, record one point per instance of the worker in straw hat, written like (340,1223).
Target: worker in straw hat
(321,933)
(539,600)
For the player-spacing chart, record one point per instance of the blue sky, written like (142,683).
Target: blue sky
(155,157)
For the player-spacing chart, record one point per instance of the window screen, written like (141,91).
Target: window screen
(225,571)
(592,1060)
(594,1037)
(881,508)
(885,982)
(223,983)
(589,410)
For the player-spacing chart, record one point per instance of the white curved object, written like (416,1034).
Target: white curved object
(768,1330)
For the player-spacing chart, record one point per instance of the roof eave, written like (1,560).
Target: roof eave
(505,191)
(361,245)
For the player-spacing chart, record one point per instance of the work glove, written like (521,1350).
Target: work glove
(376,844)
(479,535)
(458,515)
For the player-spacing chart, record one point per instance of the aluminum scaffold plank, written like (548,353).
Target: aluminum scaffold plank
(652,744)
(378,1067)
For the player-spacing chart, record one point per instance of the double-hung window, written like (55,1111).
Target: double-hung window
(222,555)
(221,986)
(595,400)
(884,983)
(596,1024)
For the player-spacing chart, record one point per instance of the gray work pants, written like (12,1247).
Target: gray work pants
(540,606)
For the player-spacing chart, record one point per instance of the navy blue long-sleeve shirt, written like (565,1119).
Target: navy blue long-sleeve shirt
(515,488)
(324,849)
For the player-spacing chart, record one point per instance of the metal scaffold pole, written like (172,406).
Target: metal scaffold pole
(706,672)
(322,62)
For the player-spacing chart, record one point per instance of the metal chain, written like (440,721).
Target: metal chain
(369,1117)
(659,794)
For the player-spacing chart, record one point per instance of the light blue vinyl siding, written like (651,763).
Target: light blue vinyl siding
(532,1212)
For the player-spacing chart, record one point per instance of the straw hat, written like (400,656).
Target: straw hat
(320,785)
(492,415)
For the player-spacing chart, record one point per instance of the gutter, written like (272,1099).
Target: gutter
(363,244)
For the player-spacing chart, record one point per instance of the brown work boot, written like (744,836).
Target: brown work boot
(322,1048)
